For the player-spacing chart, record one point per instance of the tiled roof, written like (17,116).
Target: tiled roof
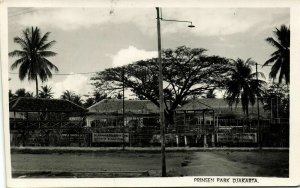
(30,104)
(131,106)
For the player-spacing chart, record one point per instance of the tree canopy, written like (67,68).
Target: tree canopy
(46,92)
(242,84)
(186,72)
(32,58)
(281,57)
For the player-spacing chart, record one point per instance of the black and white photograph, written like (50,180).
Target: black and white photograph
(198,95)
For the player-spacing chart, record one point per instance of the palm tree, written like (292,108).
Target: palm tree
(77,100)
(281,57)
(71,96)
(67,95)
(46,92)
(243,85)
(32,58)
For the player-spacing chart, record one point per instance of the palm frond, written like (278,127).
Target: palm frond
(47,53)
(47,45)
(18,62)
(18,53)
(274,43)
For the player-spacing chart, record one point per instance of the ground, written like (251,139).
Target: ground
(136,163)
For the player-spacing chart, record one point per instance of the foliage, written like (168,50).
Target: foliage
(71,96)
(95,98)
(32,58)
(277,100)
(210,94)
(242,84)
(46,92)
(19,93)
(281,57)
(186,72)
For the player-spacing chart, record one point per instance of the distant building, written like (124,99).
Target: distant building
(222,109)
(109,112)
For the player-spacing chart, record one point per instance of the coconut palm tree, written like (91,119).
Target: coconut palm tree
(281,57)
(32,58)
(242,84)
(67,95)
(46,92)
(71,96)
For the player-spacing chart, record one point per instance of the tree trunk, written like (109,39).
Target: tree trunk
(36,86)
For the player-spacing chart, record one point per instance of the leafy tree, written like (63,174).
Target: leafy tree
(186,72)
(22,93)
(89,102)
(277,100)
(32,58)
(11,95)
(242,84)
(99,96)
(281,57)
(46,92)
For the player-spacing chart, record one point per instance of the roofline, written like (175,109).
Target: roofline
(116,100)
(19,98)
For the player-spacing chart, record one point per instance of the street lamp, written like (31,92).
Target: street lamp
(161,94)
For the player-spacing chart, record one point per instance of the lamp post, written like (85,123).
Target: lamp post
(161,94)
(258,124)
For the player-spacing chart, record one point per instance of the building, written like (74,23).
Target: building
(38,121)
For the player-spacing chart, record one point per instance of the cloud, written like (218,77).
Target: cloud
(130,55)
(208,21)
(76,83)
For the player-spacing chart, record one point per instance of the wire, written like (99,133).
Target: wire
(18,11)
(63,74)
(26,12)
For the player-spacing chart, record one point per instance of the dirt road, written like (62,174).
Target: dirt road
(267,164)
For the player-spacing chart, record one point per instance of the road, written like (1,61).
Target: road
(266,164)
(192,163)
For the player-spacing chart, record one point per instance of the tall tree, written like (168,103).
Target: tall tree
(242,84)
(32,58)
(281,57)
(186,72)
(46,92)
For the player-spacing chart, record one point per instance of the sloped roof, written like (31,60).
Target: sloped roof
(194,105)
(221,106)
(30,104)
(131,106)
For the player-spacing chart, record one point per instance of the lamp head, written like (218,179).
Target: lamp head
(191,25)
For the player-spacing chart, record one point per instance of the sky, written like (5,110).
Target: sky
(92,39)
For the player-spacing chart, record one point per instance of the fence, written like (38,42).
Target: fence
(184,132)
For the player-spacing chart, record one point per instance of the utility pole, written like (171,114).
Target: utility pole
(123,107)
(161,100)
(258,124)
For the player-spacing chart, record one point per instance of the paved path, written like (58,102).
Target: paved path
(212,164)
